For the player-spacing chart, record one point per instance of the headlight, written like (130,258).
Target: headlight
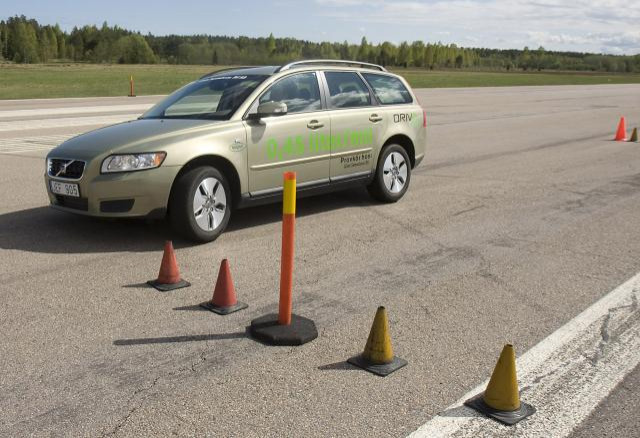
(132,162)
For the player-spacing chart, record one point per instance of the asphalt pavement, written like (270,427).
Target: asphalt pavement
(617,415)
(523,214)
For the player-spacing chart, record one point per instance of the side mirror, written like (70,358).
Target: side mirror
(270,109)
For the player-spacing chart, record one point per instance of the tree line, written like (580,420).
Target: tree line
(24,40)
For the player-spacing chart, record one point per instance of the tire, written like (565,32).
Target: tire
(192,194)
(393,174)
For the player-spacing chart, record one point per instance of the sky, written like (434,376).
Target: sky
(600,26)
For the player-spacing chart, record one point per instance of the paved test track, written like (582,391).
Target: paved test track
(522,215)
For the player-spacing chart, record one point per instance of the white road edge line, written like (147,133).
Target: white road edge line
(565,376)
(30,125)
(92,98)
(80,110)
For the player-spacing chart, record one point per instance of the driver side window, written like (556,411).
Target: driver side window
(300,92)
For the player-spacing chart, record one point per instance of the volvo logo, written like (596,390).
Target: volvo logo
(63,167)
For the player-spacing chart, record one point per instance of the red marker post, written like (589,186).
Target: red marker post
(285,328)
(288,247)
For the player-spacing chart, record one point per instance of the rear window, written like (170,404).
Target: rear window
(388,90)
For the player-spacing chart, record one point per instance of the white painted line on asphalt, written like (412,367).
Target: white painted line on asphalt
(24,150)
(27,125)
(63,99)
(81,110)
(27,144)
(565,376)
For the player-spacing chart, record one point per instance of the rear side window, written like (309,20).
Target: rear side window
(388,90)
(347,90)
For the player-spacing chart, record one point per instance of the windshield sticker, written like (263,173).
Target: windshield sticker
(217,78)
(315,142)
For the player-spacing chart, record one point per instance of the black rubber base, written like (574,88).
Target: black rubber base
(167,287)
(378,369)
(506,417)
(224,310)
(267,330)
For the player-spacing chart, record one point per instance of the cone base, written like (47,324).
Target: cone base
(267,330)
(382,370)
(224,310)
(506,417)
(165,287)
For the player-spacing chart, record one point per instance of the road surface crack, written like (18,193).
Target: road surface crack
(202,357)
(131,411)
(606,333)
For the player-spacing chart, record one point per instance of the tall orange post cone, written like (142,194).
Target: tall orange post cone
(621,133)
(131,93)
(285,328)
(378,357)
(169,275)
(224,295)
(501,399)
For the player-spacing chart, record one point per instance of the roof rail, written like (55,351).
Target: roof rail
(330,62)
(223,69)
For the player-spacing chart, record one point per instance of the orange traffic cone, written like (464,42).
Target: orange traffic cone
(634,135)
(621,133)
(501,399)
(224,295)
(169,275)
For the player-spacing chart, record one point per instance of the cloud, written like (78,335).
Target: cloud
(584,25)
(608,42)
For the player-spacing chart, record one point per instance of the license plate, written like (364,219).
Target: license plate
(66,189)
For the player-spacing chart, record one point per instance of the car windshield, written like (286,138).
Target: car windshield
(212,98)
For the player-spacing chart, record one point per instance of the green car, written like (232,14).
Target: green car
(224,141)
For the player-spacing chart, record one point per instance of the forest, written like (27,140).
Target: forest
(24,40)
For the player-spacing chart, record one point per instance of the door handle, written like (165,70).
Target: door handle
(314,124)
(375,118)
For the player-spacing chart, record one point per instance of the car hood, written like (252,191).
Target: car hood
(142,135)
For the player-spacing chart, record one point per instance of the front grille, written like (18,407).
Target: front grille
(72,202)
(70,169)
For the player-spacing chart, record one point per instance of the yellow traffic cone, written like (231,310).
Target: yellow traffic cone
(634,135)
(378,357)
(501,399)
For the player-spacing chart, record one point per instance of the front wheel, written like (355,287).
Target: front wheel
(200,204)
(393,174)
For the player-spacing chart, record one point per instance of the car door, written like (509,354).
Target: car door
(297,141)
(357,125)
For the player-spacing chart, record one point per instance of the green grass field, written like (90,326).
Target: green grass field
(84,80)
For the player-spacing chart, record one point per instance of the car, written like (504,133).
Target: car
(224,141)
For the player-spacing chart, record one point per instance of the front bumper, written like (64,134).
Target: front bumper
(130,194)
